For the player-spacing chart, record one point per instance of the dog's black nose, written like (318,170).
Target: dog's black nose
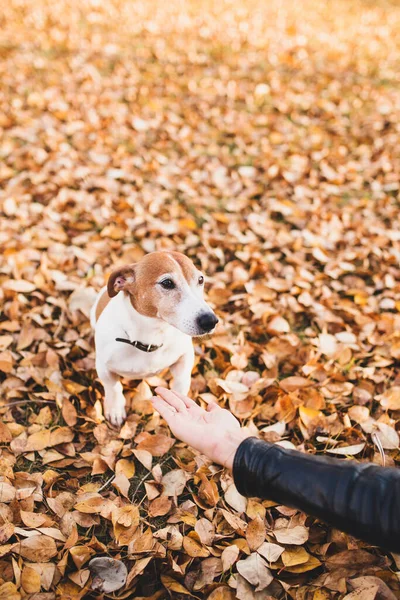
(206,322)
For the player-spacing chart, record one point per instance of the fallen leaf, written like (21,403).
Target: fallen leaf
(229,556)
(206,531)
(19,285)
(30,580)
(388,436)
(38,548)
(194,548)
(109,574)
(270,551)
(291,535)
(255,533)
(347,450)
(254,569)
(235,500)
(160,506)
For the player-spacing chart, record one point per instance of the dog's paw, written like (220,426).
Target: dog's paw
(116,414)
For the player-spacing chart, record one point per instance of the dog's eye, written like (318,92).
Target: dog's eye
(201,280)
(167,284)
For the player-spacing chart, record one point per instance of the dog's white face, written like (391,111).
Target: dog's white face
(168,286)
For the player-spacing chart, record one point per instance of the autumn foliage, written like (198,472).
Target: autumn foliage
(261,139)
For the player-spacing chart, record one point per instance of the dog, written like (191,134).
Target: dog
(143,322)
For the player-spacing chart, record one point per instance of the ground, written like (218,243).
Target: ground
(261,139)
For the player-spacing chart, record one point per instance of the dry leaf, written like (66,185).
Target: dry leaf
(235,500)
(30,580)
(160,506)
(229,556)
(255,533)
(109,575)
(270,551)
(38,548)
(291,535)
(388,436)
(194,548)
(347,450)
(254,569)
(206,531)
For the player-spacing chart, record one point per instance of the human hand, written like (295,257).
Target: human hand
(214,432)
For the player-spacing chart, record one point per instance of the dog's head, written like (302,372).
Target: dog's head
(166,285)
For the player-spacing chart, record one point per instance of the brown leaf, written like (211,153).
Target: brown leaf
(160,506)
(69,413)
(20,286)
(255,533)
(254,569)
(173,586)
(194,548)
(92,505)
(174,483)
(7,492)
(229,556)
(6,531)
(121,483)
(356,559)
(31,519)
(205,530)
(291,535)
(390,399)
(5,434)
(38,548)
(222,593)
(157,445)
(290,384)
(8,591)
(6,362)
(30,580)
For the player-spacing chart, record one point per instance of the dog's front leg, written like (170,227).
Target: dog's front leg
(114,400)
(182,372)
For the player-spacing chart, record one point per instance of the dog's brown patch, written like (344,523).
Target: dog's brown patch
(185,264)
(102,303)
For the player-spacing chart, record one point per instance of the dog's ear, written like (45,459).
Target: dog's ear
(120,279)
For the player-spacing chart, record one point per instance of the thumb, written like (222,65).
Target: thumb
(212,406)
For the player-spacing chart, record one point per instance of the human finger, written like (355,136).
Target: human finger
(166,411)
(212,406)
(188,402)
(171,398)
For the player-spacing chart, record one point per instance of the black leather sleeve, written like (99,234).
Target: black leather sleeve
(361,499)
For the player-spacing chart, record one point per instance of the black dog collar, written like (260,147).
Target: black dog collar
(139,345)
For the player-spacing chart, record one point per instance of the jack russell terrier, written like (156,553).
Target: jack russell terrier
(144,320)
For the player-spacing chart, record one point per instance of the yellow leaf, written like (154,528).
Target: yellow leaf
(80,555)
(194,548)
(311,564)
(174,586)
(297,556)
(307,415)
(30,580)
(6,361)
(125,466)
(92,505)
(8,591)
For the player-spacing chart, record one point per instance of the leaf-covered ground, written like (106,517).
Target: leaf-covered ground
(260,138)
